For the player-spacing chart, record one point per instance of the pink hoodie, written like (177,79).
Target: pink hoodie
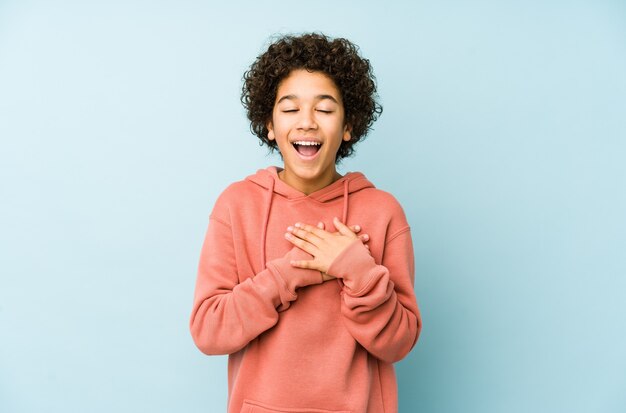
(298,344)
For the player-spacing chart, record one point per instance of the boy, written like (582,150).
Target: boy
(312,318)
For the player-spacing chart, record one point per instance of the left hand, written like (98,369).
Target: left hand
(321,244)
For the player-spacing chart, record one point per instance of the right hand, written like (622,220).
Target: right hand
(354,228)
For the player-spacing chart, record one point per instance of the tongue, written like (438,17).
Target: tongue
(307,150)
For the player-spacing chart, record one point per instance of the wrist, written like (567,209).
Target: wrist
(295,277)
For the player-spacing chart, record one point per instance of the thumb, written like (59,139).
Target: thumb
(342,228)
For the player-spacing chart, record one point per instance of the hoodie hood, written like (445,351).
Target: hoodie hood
(268,178)
(351,182)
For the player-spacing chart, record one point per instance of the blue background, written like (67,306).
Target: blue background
(503,136)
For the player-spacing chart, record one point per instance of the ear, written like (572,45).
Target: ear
(270,131)
(347,132)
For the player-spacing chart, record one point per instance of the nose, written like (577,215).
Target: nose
(306,119)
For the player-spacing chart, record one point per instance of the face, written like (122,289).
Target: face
(308,127)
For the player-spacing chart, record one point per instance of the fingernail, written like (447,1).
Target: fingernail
(289,228)
(297,224)
(287,235)
(366,236)
(358,228)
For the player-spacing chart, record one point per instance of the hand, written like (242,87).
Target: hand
(322,245)
(354,228)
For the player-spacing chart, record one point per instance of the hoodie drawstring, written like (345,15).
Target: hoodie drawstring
(270,193)
(344,216)
(268,202)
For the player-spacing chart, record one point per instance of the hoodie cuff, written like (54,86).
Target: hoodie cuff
(354,266)
(293,277)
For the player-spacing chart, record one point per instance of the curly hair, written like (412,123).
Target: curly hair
(337,58)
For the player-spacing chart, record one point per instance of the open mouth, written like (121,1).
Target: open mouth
(307,149)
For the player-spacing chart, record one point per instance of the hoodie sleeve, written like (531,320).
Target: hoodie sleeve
(378,302)
(228,314)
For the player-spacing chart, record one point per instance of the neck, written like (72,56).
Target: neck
(308,186)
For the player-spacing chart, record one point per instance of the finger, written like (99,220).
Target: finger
(305,235)
(342,228)
(320,233)
(320,225)
(311,265)
(327,277)
(355,228)
(302,244)
(364,237)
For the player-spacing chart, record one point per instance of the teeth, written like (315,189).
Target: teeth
(306,143)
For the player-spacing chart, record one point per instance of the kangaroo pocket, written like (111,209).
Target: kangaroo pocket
(250,406)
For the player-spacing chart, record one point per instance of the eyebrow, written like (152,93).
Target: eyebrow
(318,97)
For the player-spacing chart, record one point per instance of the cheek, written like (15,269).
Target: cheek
(281,125)
(280,131)
(336,130)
